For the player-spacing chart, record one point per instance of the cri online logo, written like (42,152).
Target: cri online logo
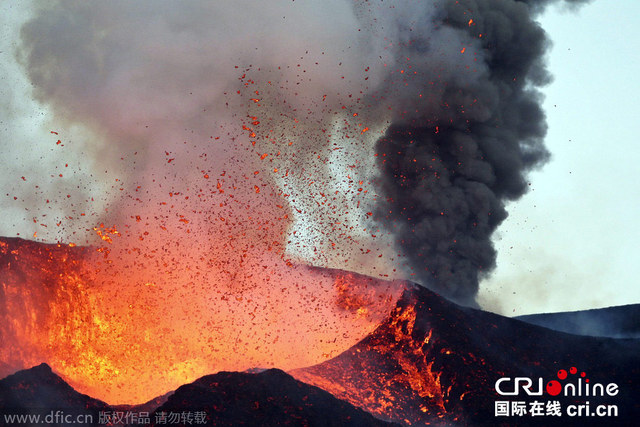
(507,386)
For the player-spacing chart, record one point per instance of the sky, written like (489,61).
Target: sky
(569,244)
(572,242)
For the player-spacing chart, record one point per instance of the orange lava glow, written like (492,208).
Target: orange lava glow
(127,335)
(389,374)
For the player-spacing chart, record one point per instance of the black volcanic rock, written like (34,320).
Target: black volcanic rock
(39,391)
(269,398)
(146,407)
(613,322)
(434,362)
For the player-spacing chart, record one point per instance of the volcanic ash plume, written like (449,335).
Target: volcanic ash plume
(470,128)
(235,136)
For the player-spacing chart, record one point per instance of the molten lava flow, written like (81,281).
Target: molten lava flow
(391,373)
(126,335)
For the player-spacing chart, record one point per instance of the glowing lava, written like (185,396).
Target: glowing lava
(394,375)
(128,335)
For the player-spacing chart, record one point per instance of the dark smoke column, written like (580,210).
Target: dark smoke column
(448,166)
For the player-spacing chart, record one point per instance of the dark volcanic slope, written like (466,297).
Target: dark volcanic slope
(614,322)
(38,390)
(433,361)
(269,398)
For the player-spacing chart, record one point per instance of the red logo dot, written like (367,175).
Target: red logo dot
(562,374)
(554,388)
(573,370)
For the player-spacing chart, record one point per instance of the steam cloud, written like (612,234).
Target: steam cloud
(286,108)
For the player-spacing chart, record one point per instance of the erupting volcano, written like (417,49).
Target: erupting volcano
(243,210)
(429,362)
(111,342)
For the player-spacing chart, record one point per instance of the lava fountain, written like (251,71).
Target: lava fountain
(209,170)
(128,337)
